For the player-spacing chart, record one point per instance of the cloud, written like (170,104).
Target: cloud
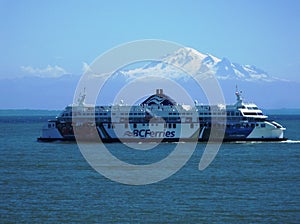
(48,72)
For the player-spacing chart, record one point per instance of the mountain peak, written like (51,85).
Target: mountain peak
(185,55)
(186,58)
(196,62)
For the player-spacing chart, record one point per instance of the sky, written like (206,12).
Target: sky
(59,36)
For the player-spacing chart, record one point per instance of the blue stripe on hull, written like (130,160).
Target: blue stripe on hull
(230,133)
(237,133)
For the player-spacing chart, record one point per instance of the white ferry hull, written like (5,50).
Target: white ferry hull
(157,133)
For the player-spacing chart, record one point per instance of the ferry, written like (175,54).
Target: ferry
(159,118)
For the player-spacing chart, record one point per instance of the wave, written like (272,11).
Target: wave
(291,141)
(264,142)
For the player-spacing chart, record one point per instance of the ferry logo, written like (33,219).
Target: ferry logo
(144,133)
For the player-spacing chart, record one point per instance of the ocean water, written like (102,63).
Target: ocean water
(53,183)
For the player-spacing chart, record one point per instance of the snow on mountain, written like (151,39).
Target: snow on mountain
(186,58)
(196,63)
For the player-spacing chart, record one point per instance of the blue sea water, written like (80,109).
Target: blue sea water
(53,183)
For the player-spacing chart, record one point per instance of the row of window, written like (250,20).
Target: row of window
(130,113)
(180,113)
(169,125)
(252,113)
(252,125)
(173,125)
(79,114)
(51,125)
(232,113)
(252,108)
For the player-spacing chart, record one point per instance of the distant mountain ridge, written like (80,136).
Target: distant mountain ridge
(195,62)
(257,85)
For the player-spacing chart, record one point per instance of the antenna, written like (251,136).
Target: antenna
(81,98)
(238,93)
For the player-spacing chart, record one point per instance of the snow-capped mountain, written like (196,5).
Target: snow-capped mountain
(199,63)
(205,65)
